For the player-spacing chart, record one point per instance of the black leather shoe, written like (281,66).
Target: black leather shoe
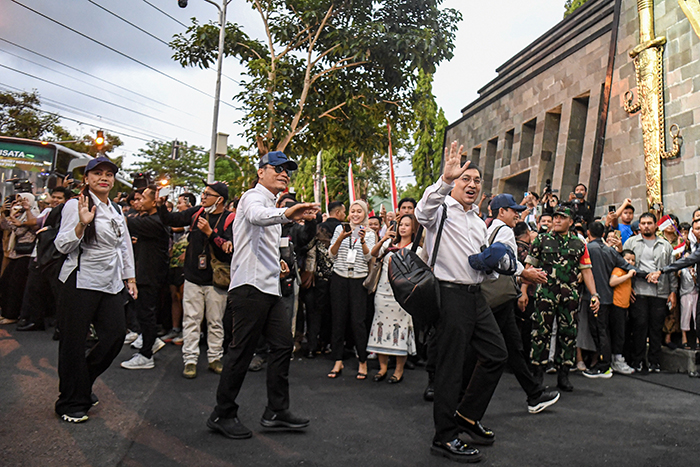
(429,393)
(229,427)
(28,326)
(457,451)
(283,419)
(563,382)
(477,432)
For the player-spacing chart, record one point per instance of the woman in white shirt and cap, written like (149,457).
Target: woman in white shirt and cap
(100,261)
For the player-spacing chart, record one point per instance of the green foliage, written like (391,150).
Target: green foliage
(572,5)
(428,137)
(329,74)
(189,170)
(21,116)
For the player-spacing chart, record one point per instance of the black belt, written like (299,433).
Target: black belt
(469,288)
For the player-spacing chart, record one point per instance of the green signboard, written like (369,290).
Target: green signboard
(26,156)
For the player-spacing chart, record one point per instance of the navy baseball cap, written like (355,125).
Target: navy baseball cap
(505,201)
(498,257)
(220,188)
(277,158)
(99,161)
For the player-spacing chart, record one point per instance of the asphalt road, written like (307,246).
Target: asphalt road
(157,418)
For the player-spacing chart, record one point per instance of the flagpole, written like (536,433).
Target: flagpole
(392,177)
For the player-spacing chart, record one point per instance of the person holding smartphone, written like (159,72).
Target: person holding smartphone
(351,251)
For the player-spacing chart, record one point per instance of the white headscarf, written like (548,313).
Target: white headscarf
(32,203)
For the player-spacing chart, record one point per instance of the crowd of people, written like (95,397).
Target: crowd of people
(260,278)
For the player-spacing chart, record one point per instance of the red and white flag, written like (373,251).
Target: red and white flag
(679,250)
(392,178)
(666,222)
(351,183)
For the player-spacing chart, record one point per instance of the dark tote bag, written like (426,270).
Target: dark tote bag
(414,285)
(496,292)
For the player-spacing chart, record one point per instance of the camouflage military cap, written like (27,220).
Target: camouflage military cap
(565,212)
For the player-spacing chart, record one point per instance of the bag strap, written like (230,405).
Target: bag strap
(195,217)
(494,234)
(414,248)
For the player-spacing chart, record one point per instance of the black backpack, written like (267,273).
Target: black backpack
(414,285)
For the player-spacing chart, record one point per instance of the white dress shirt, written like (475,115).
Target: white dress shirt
(507,237)
(104,263)
(463,235)
(256,241)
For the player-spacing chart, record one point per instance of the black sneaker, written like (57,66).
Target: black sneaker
(477,432)
(546,399)
(655,367)
(93,399)
(75,417)
(456,450)
(283,419)
(229,427)
(598,371)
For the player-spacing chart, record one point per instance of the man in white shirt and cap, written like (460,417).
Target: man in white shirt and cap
(255,300)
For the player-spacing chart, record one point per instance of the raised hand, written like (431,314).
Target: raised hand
(85,214)
(306,211)
(453,164)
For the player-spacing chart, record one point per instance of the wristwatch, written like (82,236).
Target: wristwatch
(595,297)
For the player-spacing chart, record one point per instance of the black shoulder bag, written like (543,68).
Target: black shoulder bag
(414,285)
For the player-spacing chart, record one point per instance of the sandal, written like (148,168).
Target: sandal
(394,379)
(379,377)
(361,376)
(334,374)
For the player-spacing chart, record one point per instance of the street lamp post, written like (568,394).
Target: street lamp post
(217,93)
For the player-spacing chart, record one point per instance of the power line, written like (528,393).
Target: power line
(95,97)
(79,80)
(95,77)
(166,14)
(129,23)
(116,51)
(77,111)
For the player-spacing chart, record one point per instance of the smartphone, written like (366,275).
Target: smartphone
(526,194)
(618,234)
(392,226)
(164,192)
(611,208)
(346,226)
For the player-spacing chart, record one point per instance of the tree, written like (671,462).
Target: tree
(21,116)
(572,5)
(428,137)
(328,73)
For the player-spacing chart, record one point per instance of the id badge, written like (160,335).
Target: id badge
(284,242)
(352,254)
(202,261)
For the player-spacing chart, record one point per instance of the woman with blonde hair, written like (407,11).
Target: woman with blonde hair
(351,251)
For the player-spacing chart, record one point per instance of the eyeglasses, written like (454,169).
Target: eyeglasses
(207,195)
(279,169)
(466,179)
(116,228)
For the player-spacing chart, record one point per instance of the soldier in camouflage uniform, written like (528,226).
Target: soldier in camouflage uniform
(561,254)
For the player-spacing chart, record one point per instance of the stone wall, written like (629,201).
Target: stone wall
(546,101)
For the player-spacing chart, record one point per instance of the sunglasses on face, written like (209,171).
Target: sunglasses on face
(280,168)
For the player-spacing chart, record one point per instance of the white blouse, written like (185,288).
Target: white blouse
(104,263)
(357,269)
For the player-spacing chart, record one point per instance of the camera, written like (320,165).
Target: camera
(182,3)
(547,186)
(141,179)
(21,185)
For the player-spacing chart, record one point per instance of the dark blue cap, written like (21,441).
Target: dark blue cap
(101,160)
(277,158)
(498,257)
(505,201)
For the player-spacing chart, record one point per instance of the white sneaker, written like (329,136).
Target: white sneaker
(619,365)
(138,342)
(157,345)
(372,356)
(138,362)
(131,336)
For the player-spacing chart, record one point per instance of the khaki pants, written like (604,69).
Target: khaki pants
(195,299)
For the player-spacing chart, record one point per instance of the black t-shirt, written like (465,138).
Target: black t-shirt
(151,248)
(200,244)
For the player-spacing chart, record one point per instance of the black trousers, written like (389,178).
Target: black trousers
(600,331)
(78,369)
(40,293)
(255,313)
(465,321)
(618,320)
(517,361)
(318,313)
(147,305)
(348,304)
(12,284)
(647,316)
